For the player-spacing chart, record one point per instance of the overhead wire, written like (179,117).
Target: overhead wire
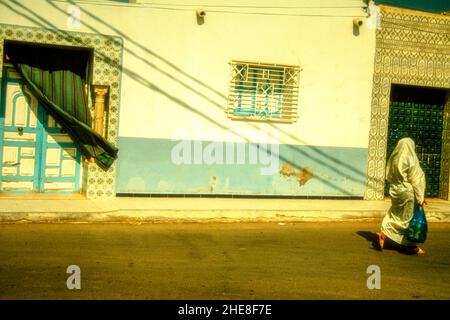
(161,7)
(152,6)
(248,6)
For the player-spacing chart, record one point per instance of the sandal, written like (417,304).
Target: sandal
(381,238)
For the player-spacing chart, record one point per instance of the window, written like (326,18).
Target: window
(263,92)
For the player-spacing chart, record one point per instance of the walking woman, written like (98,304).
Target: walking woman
(407,189)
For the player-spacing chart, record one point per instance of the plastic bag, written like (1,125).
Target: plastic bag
(418,226)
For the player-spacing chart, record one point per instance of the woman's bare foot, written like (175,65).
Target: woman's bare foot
(420,252)
(381,238)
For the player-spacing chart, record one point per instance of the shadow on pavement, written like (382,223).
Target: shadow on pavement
(388,243)
(371,237)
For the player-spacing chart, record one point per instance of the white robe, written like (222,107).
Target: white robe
(407,182)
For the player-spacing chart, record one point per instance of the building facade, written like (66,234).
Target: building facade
(247,99)
(413,58)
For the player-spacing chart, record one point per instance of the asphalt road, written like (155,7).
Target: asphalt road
(216,261)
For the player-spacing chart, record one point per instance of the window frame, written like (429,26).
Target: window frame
(265,92)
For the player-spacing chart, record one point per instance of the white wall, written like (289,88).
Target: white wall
(335,84)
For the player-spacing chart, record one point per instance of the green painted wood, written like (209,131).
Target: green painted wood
(419,116)
(42,131)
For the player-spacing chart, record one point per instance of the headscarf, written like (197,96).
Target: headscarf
(403,167)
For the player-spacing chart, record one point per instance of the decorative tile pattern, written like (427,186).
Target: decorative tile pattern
(107,69)
(411,49)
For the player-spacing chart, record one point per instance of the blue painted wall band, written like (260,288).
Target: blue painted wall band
(146,166)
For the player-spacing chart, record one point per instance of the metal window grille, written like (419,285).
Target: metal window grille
(263,92)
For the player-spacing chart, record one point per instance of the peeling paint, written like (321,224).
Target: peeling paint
(242,179)
(163,185)
(303,175)
(135,183)
(213,183)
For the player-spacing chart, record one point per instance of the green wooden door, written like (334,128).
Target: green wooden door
(411,116)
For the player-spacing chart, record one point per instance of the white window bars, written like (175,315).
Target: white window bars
(263,92)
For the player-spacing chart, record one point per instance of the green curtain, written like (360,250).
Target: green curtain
(57,77)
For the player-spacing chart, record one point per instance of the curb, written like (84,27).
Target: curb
(169,215)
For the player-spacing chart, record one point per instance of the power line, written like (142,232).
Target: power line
(152,3)
(251,7)
(288,14)
(150,6)
(215,11)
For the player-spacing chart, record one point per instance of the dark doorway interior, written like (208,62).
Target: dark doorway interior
(418,113)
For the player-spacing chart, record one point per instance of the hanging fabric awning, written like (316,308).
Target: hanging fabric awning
(57,77)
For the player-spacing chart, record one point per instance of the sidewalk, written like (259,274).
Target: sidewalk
(15,209)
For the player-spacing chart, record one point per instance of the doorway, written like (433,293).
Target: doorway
(418,113)
(36,154)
